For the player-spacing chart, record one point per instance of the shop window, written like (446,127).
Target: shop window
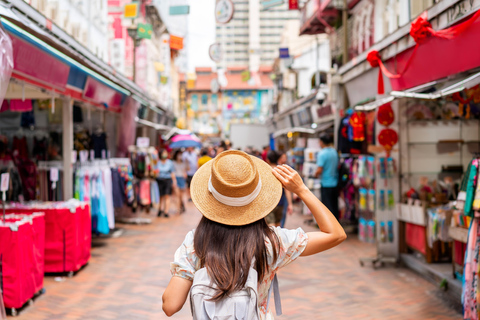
(214,102)
(194,105)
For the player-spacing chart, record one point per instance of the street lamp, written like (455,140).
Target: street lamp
(133,33)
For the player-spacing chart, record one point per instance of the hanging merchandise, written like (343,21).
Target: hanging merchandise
(385,115)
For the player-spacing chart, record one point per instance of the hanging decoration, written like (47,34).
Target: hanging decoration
(420,31)
(385,115)
(388,138)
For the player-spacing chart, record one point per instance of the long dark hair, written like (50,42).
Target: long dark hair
(228,252)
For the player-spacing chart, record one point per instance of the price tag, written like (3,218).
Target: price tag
(54,174)
(143,142)
(104,154)
(83,155)
(92,154)
(5,182)
(74,156)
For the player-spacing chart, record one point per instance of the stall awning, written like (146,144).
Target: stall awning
(440,88)
(153,125)
(293,130)
(374,104)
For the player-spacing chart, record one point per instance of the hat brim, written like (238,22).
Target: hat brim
(214,210)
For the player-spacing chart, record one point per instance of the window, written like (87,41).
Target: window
(194,105)
(214,102)
(204,99)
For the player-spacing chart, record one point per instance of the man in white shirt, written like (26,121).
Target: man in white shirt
(190,157)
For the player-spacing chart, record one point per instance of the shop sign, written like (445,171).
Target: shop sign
(215,52)
(292,4)
(144,31)
(224,10)
(267,4)
(283,53)
(54,174)
(179,10)
(183,95)
(324,111)
(176,43)
(130,11)
(117,54)
(245,76)
(5,182)
(143,142)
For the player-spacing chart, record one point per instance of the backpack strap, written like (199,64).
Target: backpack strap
(276,296)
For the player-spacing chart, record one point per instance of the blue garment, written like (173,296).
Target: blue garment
(181,182)
(165,169)
(327,158)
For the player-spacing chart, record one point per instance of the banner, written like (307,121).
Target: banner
(292,4)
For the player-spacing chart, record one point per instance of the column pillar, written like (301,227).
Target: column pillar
(67,148)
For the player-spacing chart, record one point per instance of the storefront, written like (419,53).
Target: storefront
(66,122)
(427,131)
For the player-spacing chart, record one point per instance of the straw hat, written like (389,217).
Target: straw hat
(235,189)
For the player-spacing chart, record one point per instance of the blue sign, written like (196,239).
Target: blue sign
(179,10)
(267,4)
(284,53)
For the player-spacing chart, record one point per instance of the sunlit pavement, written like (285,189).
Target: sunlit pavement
(127,276)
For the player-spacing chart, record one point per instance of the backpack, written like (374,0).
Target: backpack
(343,175)
(240,305)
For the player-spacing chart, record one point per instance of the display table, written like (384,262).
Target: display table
(22,239)
(68,234)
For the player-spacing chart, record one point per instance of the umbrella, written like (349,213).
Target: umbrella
(185,144)
(185,137)
(185,141)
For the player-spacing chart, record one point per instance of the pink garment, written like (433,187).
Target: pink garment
(145,199)
(4,106)
(86,192)
(20,106)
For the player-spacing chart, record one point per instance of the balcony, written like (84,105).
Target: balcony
(320,16)
(317,16)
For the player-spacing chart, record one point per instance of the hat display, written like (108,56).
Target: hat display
(235,189)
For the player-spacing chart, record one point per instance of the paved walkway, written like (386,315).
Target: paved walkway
(127,276)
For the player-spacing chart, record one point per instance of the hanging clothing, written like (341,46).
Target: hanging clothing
(118,192)
(98,143)
(20,106)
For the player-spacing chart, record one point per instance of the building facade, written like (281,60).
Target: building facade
(253,36)
(85,21)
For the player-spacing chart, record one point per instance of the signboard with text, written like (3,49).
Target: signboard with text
(130,11)
(224,10)
(176,43)
(292,4)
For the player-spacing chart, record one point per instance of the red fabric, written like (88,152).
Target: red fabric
(67,238)
(357,122)
(460,249)
(415,237)
(421,30)
(22,254)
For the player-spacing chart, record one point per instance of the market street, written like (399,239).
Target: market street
(127,275)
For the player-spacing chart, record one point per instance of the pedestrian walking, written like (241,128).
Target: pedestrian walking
(277,216)
(327,170)
(204,158)
(190,157)
(166,181)
(234,193)
(181,176)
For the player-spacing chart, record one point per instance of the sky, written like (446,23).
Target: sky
(198,28)
(201,27)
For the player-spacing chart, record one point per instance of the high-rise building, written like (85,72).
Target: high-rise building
(239,38)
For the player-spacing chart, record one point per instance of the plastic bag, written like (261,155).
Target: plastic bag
(6,62)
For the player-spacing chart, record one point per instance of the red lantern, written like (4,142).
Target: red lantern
(385,115)
(388,138)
